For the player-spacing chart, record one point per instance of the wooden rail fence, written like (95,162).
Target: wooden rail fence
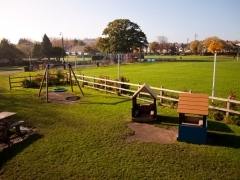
(117,87)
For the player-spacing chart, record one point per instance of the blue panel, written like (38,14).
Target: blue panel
(192,134)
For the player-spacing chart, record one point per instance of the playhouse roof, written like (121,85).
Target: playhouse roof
(145,88)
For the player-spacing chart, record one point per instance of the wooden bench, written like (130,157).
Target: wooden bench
(193,111)
(4,129)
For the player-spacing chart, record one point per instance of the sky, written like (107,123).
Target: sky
(179,21)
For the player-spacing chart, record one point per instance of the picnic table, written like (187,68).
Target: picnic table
(6,125)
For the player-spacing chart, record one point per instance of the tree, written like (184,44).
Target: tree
(57,52)
(215,46)
(46,46)
(173,49)
(163,41)
(154,46)
(10,51)
(81,43)
(25,46)
(37,51)
(123,36)
(194,46)
(89,49)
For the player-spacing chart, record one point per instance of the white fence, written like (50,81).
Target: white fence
(163,94)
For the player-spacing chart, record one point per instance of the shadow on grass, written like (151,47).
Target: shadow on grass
(107,103)
(224,140)
(10,152)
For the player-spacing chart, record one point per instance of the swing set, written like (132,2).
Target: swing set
(62,89)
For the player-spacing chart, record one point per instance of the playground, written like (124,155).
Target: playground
(96,139)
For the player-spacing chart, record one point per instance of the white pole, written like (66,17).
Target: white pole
(118,68)
(214,73)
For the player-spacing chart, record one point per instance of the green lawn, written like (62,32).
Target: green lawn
(195,75)
(87,140)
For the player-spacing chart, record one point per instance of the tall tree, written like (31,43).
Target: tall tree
(213,43)
(37,51)
(46,46)
(10,51)
(123,36)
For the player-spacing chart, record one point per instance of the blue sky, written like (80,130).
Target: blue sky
(178,20)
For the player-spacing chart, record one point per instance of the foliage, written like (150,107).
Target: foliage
(37,51)
(46,47)
(123,36)
(154,46)
(58,52)
(55,78)
(215,46)
(89,49)
(10,51)
(194,46)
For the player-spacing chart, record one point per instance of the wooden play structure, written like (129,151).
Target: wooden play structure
(144,112)
(193,111)
(46,76)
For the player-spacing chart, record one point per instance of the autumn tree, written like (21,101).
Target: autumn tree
(154,46)
(194,46)
(213,44)
(10,51)
(46,46)
(123,36)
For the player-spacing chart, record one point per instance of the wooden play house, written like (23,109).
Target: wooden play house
(144,112)
(193,111)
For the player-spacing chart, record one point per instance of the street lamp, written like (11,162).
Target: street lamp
(62,45)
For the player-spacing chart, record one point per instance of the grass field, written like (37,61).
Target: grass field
(87,140)
(195,75)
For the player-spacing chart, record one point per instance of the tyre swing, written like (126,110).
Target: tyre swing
(61,89)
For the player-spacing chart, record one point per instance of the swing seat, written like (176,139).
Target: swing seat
(60,89)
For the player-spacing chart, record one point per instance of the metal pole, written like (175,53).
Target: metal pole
(62,45)
(214,73)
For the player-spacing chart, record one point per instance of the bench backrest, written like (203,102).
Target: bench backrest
(192,103)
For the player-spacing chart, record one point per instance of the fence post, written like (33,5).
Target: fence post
(94,81)
(161,94)
(137,90)
(83,80)
(105,84)
(9,80)
(228,106)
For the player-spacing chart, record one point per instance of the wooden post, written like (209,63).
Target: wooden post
(47,74)
(138,88)
(94,81)
(9,80)
(105,84)
(161,94)
(228,106)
